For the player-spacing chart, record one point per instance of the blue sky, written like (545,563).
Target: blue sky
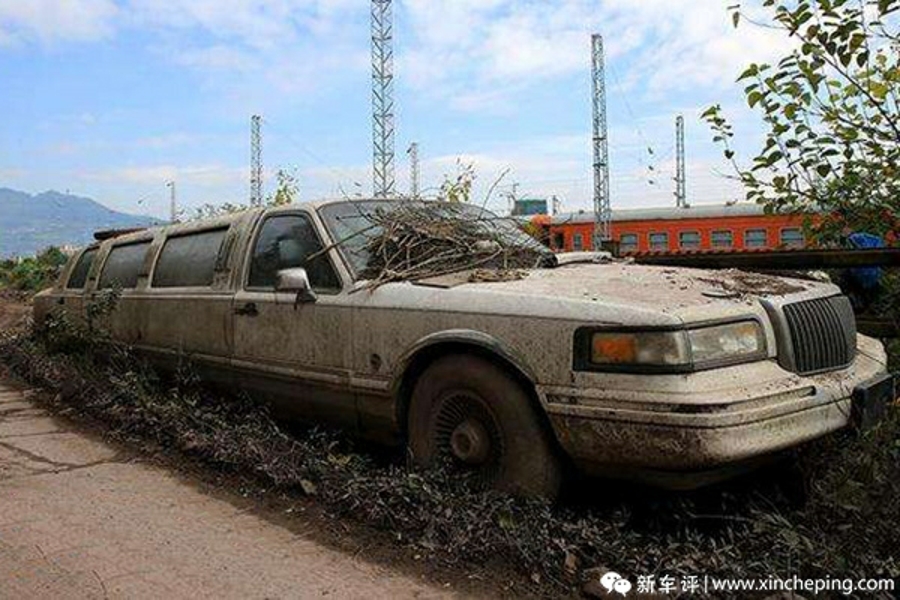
(112,98)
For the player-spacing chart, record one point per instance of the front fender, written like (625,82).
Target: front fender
(460,338)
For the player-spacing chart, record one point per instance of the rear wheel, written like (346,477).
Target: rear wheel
(472,418)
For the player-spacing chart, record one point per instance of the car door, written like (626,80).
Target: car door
(185,308)
(295,354)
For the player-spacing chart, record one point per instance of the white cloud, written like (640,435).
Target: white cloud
(50,21)
(486,49)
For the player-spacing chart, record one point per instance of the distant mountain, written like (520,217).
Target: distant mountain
(30,223)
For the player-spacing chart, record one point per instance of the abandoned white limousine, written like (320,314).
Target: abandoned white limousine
(674,376)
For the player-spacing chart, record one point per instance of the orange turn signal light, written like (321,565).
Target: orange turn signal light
(613,348)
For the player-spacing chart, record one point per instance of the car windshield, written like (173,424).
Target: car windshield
(356,225)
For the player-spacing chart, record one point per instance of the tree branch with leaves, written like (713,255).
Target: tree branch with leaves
(830,106)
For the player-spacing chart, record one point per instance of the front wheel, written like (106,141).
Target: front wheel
(471,417)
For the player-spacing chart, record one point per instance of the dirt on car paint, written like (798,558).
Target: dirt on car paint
(744,283)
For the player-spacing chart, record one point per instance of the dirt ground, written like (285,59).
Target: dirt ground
(82,519)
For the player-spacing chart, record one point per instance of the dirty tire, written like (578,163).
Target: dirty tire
(472,417)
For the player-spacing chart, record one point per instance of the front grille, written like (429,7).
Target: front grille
(823,334)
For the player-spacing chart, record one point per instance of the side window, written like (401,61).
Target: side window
(792,237)
(577,242)
(189,260)
(659,241)
(755,238)
(628,242)
(722,239)
(123,266)
(78,276)
(285,242)
(689,240)
(559,241)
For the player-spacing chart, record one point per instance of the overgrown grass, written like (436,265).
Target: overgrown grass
(846,529)
(32,274)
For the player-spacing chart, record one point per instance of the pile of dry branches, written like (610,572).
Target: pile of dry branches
(414,241)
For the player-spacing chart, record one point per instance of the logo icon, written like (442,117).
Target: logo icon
(613,582)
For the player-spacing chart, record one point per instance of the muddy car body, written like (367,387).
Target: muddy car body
(671,375)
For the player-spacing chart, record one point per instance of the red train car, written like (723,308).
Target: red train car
(701,227)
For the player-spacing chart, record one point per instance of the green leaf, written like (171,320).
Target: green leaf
(823,170)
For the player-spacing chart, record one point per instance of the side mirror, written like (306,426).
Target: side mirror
(295,280)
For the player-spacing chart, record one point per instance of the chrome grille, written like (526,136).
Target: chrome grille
(822,332)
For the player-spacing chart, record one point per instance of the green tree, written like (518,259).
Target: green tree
(832,144)
(459,187)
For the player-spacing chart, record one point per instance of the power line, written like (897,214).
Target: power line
(382,99)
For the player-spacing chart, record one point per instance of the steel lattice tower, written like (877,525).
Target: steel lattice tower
(413,170)
(602,209)
(383,98)
(256,173)
(680,178)
(173,202)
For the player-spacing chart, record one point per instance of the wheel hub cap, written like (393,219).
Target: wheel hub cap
(470,442)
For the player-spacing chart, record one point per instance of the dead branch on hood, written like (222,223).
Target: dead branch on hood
(414,241)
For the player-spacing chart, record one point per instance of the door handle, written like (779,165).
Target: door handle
(247,310)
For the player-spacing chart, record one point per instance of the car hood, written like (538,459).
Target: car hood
(671,290)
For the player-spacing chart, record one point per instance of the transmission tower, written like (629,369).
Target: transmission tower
(383,98)
(413,170)
(680,179)
(602,209)
(256,173)
(173,202)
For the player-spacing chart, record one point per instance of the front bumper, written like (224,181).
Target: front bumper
(685,436)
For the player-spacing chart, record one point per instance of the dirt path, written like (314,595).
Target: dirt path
(78,520)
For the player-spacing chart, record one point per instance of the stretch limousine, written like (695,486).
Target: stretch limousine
(673,376)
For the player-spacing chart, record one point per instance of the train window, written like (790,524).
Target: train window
(755,238)
(80,272)
(628,242)
(792,237)
(659,241)
(689,240)
(577,242)
(559,241)
(722,239)
(123,266)
(189,260)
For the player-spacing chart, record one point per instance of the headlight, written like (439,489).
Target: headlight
(730,342)
(679,350)
(639,348)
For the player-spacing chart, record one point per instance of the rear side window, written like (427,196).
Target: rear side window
(286,242)
(79,274)
(189,260)
(123,266)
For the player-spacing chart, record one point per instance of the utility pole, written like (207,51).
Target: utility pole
(256,172)
(413,170)
(382,99)
(680,179)
(602,208)
(173,202)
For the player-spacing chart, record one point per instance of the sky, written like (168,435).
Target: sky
(113,98)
